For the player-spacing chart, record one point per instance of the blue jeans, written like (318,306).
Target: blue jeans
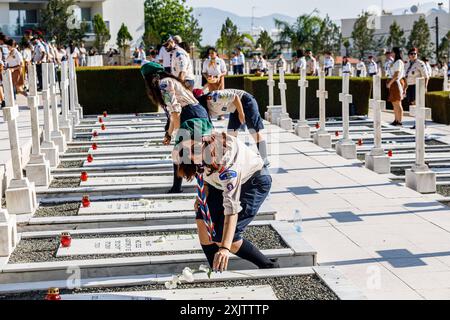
(253,119)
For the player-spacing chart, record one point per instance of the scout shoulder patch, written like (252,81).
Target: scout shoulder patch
(227,175)
(230,187)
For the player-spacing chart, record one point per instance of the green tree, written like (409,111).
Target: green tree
(420,37)
(396,36)
(330,37)
(444,48)
(363,37)
(58,22)
(101,31)
(123,40)
(230,37)
(170,17)
(305,32)
(265,41)
(347,45)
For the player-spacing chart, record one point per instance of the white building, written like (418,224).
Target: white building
(406,21)
(17,16)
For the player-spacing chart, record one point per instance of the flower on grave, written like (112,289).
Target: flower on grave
(95,133)
(161,239)
(173,284)
(147,145)
(144,202)
(188,275)
(129,128)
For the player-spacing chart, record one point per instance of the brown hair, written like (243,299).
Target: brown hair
(152,82)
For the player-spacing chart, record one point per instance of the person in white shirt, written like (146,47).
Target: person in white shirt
(361,70)
(428,68)
(311,63)
(397,86)
(181,62)
(240,61)
(372,67)
(234,62)
(165,59)
(39,57)
(15,63)
(301,61)
(347,66)
(281,63)
(243,109)
(328,64)
(388,64)
(254,63)
(214,70)
(262,66)
(83,55)
(3,47)
(414,69)
(235,184)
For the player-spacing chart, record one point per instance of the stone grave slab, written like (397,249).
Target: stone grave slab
(129,136)
(127,162)
(128,180)
(99,246)
(127,130)
(139,206)
(222,293)
(131,150)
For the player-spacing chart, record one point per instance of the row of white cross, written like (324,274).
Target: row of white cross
(419,178)
(21,193)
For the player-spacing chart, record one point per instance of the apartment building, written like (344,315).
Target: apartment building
(17,16)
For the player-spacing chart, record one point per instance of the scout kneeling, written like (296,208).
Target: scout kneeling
(243,109)
(233,184)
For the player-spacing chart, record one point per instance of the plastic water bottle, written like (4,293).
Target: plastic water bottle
(298,221)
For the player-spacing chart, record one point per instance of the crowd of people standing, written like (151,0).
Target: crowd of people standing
(35,49)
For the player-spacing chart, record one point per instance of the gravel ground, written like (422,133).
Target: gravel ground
(443,190)
(71,164)
(398,172)
(285,288)
(65,183)
(43,250)
(77,150)
(51,210)
(400,133)
(435,143)
(361,157)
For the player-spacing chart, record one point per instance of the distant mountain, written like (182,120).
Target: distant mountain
(211,20)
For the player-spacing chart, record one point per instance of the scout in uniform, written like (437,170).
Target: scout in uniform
(214,70)
(181,62)
(372,67)
(243,109)
(388,64)
(328,64)
(301,61)
(240,61)
(397,86)
(178,102)
(281,63)
(415,68)
(233,184)
(361,70)
(346,66)
(311,64)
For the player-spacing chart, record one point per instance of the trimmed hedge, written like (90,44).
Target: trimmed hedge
(439,102)
(360,88)
(115,89)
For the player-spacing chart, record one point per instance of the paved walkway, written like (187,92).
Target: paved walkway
(390,241)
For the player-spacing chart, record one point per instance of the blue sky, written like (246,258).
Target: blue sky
(335,9)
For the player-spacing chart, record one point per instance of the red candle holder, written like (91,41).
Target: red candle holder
(66,239)
(317,125)
(390,153)
(360,142)
(94,146)
(105,114)
(336,133)
(86,202)
(53,294)
(100,119)
(84,176)
(103,127)
(90,158)
(95,134)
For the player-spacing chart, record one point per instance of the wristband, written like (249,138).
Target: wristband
(225,249)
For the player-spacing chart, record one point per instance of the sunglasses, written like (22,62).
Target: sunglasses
(413,54)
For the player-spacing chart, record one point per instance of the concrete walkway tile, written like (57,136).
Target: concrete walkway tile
(436,294)
(320,201)
(427,281)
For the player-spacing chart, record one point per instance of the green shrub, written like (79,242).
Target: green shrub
(115,89)
(360,88)
(439,102)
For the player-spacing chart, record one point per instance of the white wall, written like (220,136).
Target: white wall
(130,12)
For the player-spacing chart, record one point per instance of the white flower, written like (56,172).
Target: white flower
(188,275)
(144,202)
(161,239)
(170,285)
(203,268)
